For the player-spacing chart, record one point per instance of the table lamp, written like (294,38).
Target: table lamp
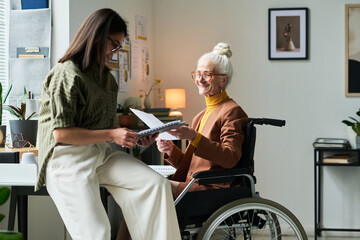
(175,99)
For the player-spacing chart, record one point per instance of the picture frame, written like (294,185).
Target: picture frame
(352,50)
(113,63)
(288,33)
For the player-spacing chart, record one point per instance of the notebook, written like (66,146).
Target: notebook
(162,128)
(164,170)
(154,123)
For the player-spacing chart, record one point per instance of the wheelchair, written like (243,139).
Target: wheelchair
(235,212)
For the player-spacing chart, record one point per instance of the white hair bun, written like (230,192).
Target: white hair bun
(223,49)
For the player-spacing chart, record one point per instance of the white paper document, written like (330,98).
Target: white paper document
(152,122)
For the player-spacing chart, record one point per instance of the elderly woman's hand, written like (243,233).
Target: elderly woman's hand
(165,146)
(147,140)
(184,132)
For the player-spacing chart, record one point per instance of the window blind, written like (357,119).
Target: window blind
(3,52)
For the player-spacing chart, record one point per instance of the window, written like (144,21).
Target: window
(3,51)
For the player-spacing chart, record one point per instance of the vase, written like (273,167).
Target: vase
(147,102)
(289,45)
(28,128)
(358,142)
(2,135)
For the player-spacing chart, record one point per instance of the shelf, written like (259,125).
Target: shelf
(319,155)
(322,153)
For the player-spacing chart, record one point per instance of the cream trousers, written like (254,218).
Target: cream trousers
(73,177)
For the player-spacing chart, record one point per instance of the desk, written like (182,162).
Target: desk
(21,178)
(20,150)
(22,185)
(319,154)
(19,199)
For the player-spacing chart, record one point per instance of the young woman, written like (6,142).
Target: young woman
(76,121)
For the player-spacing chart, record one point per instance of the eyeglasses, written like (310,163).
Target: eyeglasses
(115,45)
(207,76)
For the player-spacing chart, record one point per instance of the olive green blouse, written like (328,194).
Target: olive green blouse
(72,98)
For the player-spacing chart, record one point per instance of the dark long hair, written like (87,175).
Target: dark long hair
(88,47)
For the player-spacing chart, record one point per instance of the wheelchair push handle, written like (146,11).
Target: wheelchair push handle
(268,121)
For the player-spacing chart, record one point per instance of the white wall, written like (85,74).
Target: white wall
(308,94)
(60,31)
(127,9)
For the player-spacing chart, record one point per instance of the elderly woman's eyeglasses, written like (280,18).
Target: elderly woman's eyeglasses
(116,45)
(207,76)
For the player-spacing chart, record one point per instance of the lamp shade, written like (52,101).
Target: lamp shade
(175,98)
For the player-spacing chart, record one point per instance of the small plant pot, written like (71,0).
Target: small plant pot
(10,235)
(358,142)
(28,128)
(124,120)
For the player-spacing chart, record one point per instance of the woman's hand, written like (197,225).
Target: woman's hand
(165,146)
(186,133)
(124,137)
(147,140)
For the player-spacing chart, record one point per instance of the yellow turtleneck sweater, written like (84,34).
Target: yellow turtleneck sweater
(211,103)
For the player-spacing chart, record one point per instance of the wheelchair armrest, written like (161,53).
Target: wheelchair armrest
(221,172)
(220,175)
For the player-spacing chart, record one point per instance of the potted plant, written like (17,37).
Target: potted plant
(124,116)
(3,127)
(136,150)
(24,125)
(4,234)
(355,125)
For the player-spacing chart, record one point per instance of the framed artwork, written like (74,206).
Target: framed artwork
(124,68)
(288,33)
(352,50)
(113,63)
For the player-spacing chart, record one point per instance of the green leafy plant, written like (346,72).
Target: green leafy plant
(125,110)
(136,151)
(355,124)
(3,100)
(20,112)
(4,234)
(4,196)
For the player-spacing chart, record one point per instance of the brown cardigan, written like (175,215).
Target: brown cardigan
(220,146)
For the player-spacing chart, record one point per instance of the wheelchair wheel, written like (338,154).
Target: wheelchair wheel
(252,218)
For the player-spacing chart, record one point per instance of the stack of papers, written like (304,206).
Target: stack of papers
(331,143)
(340,159)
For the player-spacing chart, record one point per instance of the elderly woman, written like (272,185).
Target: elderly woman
(217,133)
